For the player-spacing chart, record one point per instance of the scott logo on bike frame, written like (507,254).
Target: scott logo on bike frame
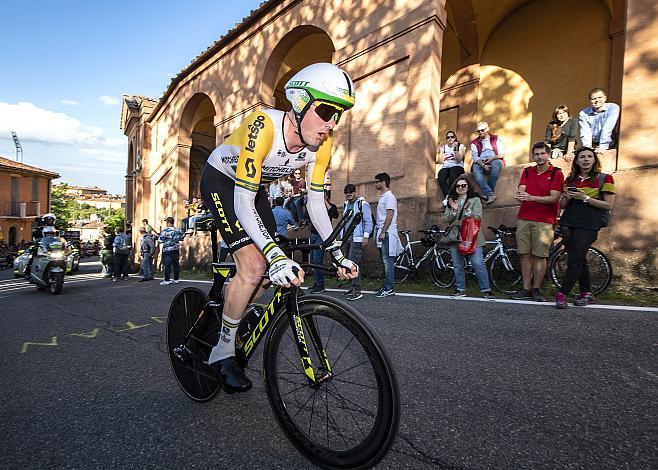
(252,342)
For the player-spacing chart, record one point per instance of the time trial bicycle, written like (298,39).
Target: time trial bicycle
(328,378)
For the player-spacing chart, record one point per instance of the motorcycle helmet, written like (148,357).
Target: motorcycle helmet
(49,219)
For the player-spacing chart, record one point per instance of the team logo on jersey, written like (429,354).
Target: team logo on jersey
(301,157)
(254,129)
(250,167)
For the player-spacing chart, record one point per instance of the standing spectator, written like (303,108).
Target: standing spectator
(107,253)
(275,190)
(298,195)
(488,160)
(561,133)
(386,231)
(588,195)
(122,247)
(148,227)
(282,216)
(451,155)
(170,237)
(317,256)
(597,122)
(464,201)
(539,192)
(353,247)
(147,250)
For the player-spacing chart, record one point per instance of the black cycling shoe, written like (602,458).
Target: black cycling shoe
(231,375)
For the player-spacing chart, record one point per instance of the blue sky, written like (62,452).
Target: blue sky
(66,64)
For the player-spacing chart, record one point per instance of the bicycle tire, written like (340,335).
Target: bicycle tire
(402,267)
(442,276)
(506,274)
(600,269)
(195,377)
(347,340)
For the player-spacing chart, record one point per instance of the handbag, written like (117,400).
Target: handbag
(469,231)
(452,234)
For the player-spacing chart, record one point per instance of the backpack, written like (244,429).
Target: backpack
(125,246)
(372,217)
(553,171)
(606,214)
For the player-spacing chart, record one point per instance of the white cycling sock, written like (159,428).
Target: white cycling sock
(226,344)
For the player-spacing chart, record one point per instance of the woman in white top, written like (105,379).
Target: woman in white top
(451,155)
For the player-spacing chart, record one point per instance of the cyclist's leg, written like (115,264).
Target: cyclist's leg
(218,189)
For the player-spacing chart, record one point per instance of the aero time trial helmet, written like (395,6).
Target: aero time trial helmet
(319,82)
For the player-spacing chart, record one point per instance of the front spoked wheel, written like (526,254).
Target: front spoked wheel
(600,269)
(403,267)
(505,271)
(441,270)
(189,359)
(349,416)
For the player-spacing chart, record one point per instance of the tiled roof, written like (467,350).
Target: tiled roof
(11,165)
(254,15)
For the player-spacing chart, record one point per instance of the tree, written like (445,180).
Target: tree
(62,206)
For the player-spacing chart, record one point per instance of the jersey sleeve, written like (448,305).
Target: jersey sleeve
(255,137)
(315,204)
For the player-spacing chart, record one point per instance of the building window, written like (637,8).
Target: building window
(35,188)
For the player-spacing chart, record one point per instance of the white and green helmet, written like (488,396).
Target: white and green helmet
(323,82)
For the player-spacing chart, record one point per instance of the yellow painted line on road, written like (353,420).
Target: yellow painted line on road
(27,344)
(91,334)
(131,326)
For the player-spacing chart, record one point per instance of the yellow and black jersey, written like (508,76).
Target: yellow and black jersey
(254,155)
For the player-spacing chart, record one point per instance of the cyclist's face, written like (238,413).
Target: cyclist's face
(314,127)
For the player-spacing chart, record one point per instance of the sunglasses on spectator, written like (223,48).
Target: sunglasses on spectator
(461,186)
(349,192)
(450,137)
(328,111)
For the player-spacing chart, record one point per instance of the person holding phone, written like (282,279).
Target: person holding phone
(588,194)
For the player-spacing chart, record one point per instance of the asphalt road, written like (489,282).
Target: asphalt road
(86,384)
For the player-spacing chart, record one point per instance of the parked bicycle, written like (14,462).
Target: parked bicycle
(600,268)
(336,396)
(406,265)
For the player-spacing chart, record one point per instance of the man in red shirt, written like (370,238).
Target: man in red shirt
(539,194)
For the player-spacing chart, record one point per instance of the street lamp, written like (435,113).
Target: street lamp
(19,148)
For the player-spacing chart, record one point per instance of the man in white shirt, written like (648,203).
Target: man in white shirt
(386,229)
(488,160)
(597,128)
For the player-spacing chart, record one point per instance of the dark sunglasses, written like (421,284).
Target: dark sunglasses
(349,192)
(450,137)
(461,186)
(328,111)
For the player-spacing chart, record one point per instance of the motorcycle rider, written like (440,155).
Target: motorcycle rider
(42,227)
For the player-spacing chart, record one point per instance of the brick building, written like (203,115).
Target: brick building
(24,195)
(420,67)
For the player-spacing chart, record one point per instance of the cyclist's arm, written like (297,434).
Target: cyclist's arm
(255,139)
(317,211)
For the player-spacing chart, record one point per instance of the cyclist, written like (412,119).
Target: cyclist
(268,145)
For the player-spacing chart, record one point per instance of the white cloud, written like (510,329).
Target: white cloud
(108,100)
(59,142)
(34,124)
(70,102)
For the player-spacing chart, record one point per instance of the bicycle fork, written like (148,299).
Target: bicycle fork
(297,325)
